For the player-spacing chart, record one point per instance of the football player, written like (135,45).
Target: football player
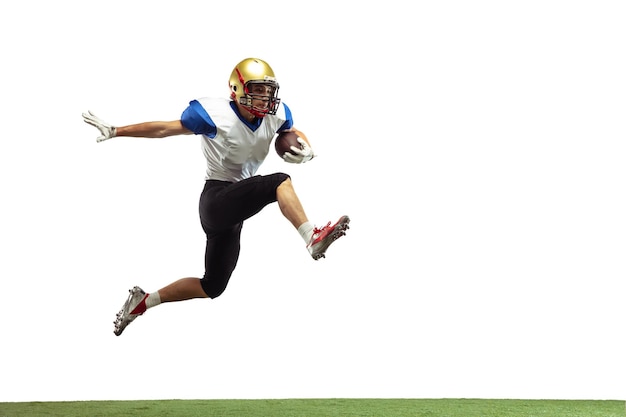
(236,133)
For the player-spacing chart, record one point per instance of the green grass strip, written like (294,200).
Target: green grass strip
(319,408)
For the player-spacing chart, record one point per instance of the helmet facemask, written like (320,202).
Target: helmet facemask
(265,91)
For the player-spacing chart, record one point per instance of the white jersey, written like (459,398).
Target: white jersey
(234,149)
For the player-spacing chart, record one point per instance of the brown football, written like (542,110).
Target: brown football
(284,141)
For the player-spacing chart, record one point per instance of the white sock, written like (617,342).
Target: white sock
(153,299)
(306,231)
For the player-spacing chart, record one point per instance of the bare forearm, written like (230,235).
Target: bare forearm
(153,129)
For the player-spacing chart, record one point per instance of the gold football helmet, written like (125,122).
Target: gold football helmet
(253,79)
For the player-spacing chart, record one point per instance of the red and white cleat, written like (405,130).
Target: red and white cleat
(324,237)
(134,307)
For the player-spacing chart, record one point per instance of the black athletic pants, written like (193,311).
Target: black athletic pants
(223,208)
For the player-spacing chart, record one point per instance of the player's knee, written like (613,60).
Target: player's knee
(212,288)
(283,182)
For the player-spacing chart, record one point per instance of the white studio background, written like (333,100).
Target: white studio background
(477,146)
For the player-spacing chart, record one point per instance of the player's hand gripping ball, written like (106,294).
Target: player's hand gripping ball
(292,148)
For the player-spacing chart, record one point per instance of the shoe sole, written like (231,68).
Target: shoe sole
(340,230)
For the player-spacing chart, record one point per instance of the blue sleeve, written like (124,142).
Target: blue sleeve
(196,119)
(289,122)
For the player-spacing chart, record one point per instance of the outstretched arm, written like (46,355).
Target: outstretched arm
(153,129)
(140,130)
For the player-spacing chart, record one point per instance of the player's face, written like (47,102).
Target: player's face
(261,94)
(260,98)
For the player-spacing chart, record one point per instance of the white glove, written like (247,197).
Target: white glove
(301,155)
(106,129)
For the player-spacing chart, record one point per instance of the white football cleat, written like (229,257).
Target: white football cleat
(129,311)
